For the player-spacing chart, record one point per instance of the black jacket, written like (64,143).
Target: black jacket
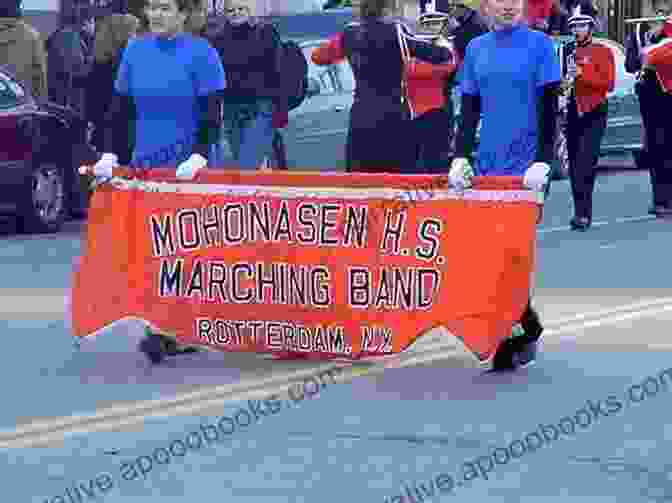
(99,93)
(636,41)
(251,55)
(472,25)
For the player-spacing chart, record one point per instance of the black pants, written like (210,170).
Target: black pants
(378,137)
(433,135)
(584,137)
(656,109)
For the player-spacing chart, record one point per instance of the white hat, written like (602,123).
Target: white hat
(578,18)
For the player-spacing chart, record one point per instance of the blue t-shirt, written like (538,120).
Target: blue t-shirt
(165,77)
(506,69)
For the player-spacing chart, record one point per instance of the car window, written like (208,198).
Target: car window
(11,92)
(320,73)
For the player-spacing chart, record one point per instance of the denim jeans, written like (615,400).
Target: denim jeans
(247,135)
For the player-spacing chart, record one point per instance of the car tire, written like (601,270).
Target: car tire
(43,207)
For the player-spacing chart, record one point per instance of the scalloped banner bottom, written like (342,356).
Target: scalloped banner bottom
(319,270)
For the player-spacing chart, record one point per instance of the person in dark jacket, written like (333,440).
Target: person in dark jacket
(377,136)
(112,35)
(22,49)
(251,53)
(69,58)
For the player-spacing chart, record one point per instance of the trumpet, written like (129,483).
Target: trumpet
(637,20)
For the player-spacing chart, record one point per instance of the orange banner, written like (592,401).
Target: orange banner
(323,264)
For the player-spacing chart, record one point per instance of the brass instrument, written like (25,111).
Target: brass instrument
(638,20)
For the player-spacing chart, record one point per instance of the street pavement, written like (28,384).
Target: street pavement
(605,297)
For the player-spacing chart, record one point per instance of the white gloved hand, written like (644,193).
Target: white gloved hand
(461,173)
(103,168)
(536,176)
(188,169)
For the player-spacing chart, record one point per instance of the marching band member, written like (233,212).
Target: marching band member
(648,93)
(377,135)
(657,87)
(591,75)
(429,91)
(512,75)
(462,20)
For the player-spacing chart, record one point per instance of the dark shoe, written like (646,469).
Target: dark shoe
(152,347)
(663,211)
(504,357)
(527,355)
(579,224)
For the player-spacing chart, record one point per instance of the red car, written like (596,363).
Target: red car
(41,146)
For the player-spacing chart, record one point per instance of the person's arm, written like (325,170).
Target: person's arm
(547,117)
(122,110)
(470,114)
(420,70)
(548,90)
(329,52)
(427,52)
(119,120)
(211,82)
(208,125)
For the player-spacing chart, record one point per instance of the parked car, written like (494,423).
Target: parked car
(41,146)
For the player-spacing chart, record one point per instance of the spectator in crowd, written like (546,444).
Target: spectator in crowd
(378,132)
(176,124)
(197,19)
(70,56)
(251,54)
(22,49)
(112,35)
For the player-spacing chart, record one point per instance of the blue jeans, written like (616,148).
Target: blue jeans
(246,137)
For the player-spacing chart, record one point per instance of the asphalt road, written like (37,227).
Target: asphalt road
(605,296)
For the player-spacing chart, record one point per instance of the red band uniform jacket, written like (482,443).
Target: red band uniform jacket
(659,56)
(425,83)
(598,76)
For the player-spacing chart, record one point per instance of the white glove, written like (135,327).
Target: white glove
(190,168)
(461,173)
(103,168)
(536,176)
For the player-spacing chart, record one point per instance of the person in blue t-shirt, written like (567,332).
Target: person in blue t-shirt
(512,76)
(169,85)
(506,76)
